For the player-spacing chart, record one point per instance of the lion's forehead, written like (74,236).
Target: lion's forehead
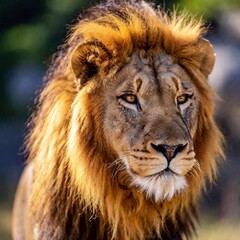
(157,73)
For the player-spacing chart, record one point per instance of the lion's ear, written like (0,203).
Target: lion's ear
(88,60)
(207,56)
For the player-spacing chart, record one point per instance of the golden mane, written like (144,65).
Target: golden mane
(72,183)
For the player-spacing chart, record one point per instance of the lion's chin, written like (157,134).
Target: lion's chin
(161,187)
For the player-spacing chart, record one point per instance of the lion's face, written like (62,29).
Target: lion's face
(151,116)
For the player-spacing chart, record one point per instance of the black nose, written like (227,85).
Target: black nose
(169,151)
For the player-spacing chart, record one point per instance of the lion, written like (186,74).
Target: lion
(123,139)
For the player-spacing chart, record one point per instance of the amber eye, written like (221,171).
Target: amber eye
(183,98)
(130,98)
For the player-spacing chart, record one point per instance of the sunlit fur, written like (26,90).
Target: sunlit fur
(73,186)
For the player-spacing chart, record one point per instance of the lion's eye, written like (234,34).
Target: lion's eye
(183,98)
(131,101)
(130,98)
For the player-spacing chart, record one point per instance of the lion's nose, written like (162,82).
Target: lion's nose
(169,151)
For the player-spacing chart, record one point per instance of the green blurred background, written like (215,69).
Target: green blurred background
(31,31)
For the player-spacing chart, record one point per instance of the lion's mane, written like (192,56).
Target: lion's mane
(73,191)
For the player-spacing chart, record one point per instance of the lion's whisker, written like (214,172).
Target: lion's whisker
(115,162)
(119,169)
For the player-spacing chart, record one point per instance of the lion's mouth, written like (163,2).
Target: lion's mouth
(153,166)
(151,172)
(166,172)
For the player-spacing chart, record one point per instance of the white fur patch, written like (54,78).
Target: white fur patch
(161,187)
(36,232)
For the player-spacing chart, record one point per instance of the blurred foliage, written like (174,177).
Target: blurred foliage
(30,32)
(208,9)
